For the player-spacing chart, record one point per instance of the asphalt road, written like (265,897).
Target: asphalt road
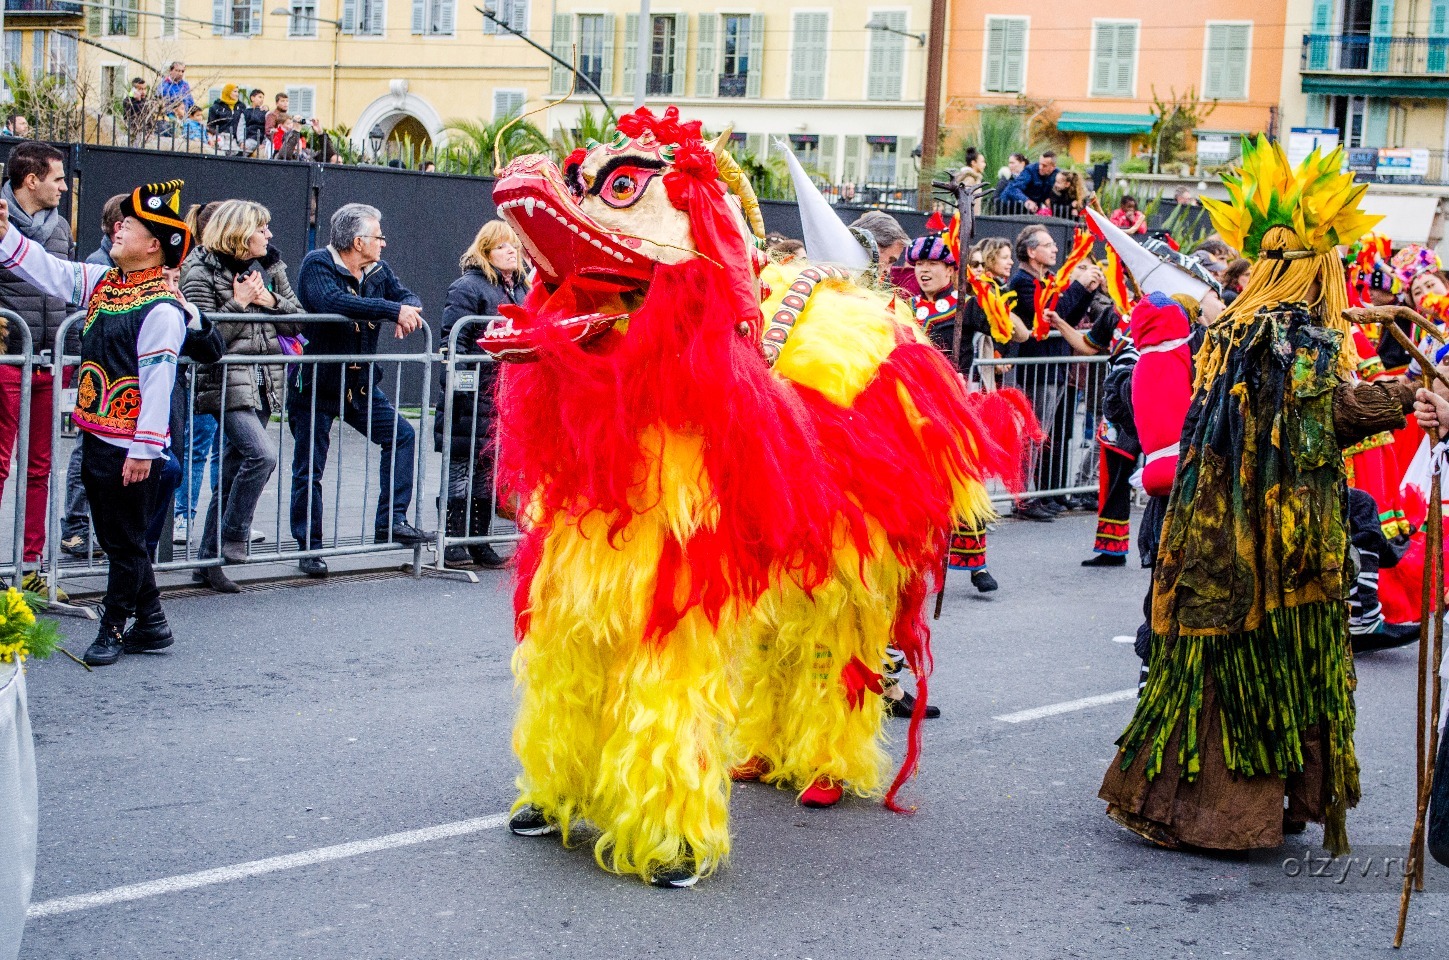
(291,720)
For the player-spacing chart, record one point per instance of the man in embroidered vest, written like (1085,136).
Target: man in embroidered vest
(135,324)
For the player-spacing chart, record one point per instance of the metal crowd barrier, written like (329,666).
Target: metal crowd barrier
(459,469)
(350,489)
(1066,395)
(15,570)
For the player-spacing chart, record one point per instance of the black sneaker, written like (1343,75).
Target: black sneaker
(1055,505)
(1035,510)
(1107,560)
(531,821)
(405,534)
(486,557)
(107,647)
(148,633)
(678,876)
(905,705)
(313,566)
(983,581)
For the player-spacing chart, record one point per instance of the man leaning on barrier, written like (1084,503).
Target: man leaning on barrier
(349,277)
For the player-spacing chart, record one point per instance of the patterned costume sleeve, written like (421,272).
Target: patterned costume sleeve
(156,348)
(71,282)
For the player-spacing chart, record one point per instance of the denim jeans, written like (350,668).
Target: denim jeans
(247,461)
(312,437)
(77,519)
(194,451)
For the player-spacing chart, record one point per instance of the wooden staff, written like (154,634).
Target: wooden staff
(1426,735)
(966,195)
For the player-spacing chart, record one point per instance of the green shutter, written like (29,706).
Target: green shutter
(1126,66)
(1381,32)
(995,52)
(705,71)
(1320,39)
(755,146)
(1317,111)
(133,19)
(631,54)
(93,22)
(256,18)
(807,59)
(349,16)
(1376,123)
(1013,58)
(606,67)
(887,58)
(560,78)
(220,19)
(419,16)
(754,82)
(1438,61)
(1104,58)
(826,153)
(1226,70)
(681,55)
(905,163)
(850,170)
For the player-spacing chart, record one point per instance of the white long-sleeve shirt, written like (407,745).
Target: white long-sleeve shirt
(157,345)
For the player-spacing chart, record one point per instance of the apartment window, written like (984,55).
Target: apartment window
(1225,63)
(114,82)
(434,17)
(1005,61)
(236,18)
(302,101)
(303,21)
(734,70)
(1114,58)
(512,12)
(363,18)
(809,44)
(121,19)
(806,147)
(661,56)
(591,46)
(729,55)
(14,44)
(881,162)
(887,57)
(507,103)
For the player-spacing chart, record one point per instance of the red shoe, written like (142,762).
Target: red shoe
(751,770)
(822,793)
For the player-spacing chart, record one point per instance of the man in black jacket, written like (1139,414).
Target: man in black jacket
(254,120)
(348,277)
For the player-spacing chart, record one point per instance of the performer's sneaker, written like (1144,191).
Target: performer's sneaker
(903,706)
(1106,560)
(751,770)
(679,876)
(531,822)
(822,793)
(983,581)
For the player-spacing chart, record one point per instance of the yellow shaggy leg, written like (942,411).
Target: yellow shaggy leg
(662,794)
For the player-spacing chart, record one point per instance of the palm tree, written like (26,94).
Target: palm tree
(472,144)
(590,128)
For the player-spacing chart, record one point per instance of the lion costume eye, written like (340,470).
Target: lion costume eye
(625,185)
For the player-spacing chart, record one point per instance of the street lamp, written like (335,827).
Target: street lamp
(875,24)
(336,36)
(375,137)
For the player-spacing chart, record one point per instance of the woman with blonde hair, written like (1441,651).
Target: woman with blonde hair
(492,275)
(237,270)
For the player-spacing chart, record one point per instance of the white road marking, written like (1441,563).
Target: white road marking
(1051,710)
(241,871)
(1125,638)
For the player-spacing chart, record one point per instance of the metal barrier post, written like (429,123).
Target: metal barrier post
(25,362)
(57,482)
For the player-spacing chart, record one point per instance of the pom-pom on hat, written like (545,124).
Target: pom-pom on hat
(1413,260)
(930,248)
(158,207)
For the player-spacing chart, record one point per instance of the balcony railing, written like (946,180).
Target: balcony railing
(733,84)
(1393,56)
(43,8)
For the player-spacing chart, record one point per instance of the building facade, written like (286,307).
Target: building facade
(1096,70)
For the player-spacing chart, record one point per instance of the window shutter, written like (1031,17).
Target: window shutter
(631,54)
(807,73)
(905,163)
(377,21)
(1225,77)
(93,26)
(1013,58)
(447,17)
(492,6)
(133,19)
(256,25)
(518,16)
(561,79)
(220,19)
(887,58)
(755,146)
(420,16)
(706,83)
(507,103)
(1319,40)
(1381,30)
(854,146)
(300,101)
(349,16)
(1437,61)
(681,55)
(754,82)
(827,156)
(1216,67)
(1105,37)
(1126,58)
(606,66)
(1376,123)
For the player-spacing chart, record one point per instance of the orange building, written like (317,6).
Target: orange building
(1096,72)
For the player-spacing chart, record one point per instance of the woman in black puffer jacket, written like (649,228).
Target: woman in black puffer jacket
(491,277)
(236,270)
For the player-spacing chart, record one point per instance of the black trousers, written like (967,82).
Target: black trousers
(121,514)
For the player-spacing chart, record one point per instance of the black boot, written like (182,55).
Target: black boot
(149,632)
(456,525)
(107,647)
(482,522)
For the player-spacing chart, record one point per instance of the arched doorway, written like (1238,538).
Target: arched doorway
(408,140)
(407,123)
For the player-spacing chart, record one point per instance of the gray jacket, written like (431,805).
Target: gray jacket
(42,313)
(206,281)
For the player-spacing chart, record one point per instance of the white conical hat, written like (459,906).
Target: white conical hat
(1151,273)
(827,238)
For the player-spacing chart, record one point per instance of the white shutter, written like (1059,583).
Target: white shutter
(706,73)
(561,79)
(256,18)
(681,55)
(301,101)
(447,17)
(827,156)
(1225,71)
(631,53)
(220,18)
(905,163)
(507,103)
(754,82)
(887,58)
(489,27)
(755,146)
(995,53)
(606,65)
(168,19)
(377,21)
(807,59)
(420,16)
(349,16)
(1115,62)
(518,15)
(1013,58)
(851,170)
(1126,78)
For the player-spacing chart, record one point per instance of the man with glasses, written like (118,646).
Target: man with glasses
(349,277)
